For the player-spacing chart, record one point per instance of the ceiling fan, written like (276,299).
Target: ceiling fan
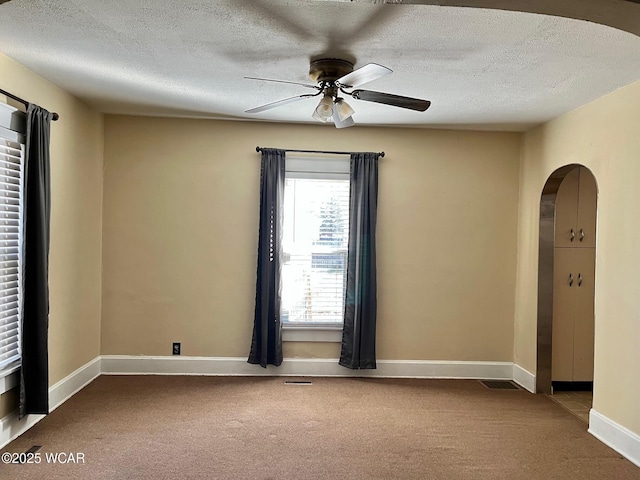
(334,76)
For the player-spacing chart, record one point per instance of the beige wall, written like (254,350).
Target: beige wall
(76,219)
(603,136)
(180,237)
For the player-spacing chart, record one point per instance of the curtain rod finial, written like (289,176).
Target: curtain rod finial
(257,149)
(55,117)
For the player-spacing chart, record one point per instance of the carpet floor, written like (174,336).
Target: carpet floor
(174,427)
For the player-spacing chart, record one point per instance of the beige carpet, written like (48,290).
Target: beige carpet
(259,428)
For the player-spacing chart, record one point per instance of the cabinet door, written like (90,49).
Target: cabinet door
(567,210)
(583,325)
(587,199)
(563,315)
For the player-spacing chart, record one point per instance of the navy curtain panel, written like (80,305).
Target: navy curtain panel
(359,333)
(34,373)
(266,345)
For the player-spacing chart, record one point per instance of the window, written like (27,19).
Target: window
(315,238)
(12,124)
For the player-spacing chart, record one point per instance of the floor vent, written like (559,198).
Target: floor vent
(34,449)
(298,382)
(500,384)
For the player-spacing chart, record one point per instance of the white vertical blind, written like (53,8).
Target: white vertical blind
(11,154)
(316,233)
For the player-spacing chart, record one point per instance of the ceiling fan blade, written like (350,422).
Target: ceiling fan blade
(368,73)
(271,105)
(308,85)
(394,100)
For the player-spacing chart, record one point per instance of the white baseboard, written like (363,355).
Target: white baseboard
(11,428)
(614,435)
(175,365)
(60,392)
(524,378)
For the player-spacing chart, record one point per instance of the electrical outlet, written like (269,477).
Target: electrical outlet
(176,348)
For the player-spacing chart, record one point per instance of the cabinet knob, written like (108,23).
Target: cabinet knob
(571,279)
(581,234)
(579,279)
(573,235)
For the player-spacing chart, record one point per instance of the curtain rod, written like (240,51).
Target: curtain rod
(259,149)
(55,116)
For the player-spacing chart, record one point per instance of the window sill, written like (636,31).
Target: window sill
(328,334)
(9,378)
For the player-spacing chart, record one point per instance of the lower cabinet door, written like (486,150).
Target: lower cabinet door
(583,325)
(573,333)
(564,286)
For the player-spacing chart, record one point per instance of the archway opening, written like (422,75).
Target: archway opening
(566,279)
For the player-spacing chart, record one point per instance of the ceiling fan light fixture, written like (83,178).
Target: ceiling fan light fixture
(324,109)
(319,118)
(339,123)
(343,109)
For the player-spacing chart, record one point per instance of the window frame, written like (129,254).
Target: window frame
(335,167)
(13,128)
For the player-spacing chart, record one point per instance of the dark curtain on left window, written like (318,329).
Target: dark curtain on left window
(34,372)
(266,345)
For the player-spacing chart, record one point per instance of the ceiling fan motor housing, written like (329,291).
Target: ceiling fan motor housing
(329,69)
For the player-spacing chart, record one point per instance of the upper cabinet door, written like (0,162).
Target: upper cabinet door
(587,200)
(566,229)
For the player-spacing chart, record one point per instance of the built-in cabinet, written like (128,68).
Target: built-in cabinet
(575,219)
(574,278)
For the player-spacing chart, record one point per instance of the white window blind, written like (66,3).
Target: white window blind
(11,155)
(316,233)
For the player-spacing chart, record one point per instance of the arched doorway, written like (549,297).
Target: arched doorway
(566,279)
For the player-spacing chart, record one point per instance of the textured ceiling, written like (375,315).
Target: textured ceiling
(481,68)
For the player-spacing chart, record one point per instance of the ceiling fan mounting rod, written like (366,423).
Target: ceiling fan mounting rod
(331,90)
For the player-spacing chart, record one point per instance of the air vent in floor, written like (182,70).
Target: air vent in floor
(500,384)
(298,382)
